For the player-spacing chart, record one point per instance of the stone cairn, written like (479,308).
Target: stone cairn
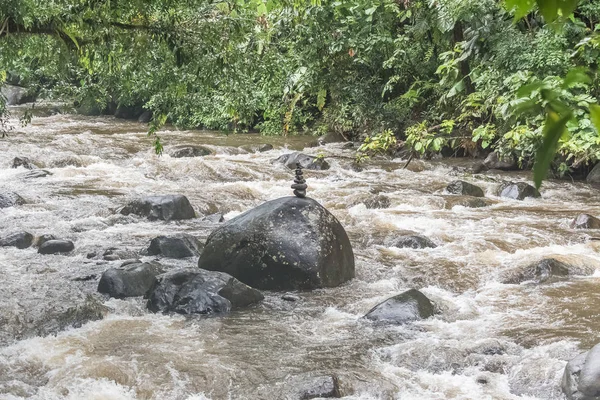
(299,185)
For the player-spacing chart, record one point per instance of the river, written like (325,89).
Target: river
(489,341)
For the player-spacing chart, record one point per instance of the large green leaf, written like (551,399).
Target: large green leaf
(553,130)
(520,7)
(595,116)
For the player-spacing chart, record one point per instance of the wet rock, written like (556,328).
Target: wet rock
(145,117)
(290,297)
(307,162)
(10,199)
(190,151)
(168,207)
(196,291)
(129,280)
(69,161)
(379,201)
(414,242)
(594,175)
(285,244)
(16,95)
(581,379)
(330,137)
(494,161)
(56,247)
(313,387)
(113,254)
(585,221)
(465,201)
(257,148)
(75,316)
(548,269)
(464,188)
(409,306)
(40,240)
(22,162)
(128,112)
(214,218)
(180,246)
(348,145)
(36,173)
(518,191)
(91,255)
(21,240)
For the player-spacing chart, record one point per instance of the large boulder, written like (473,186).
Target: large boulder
(409,306)
(284,244)
(194,291)
(168,207)
(495,161)
(585,221)
(307,162)
(581,379)
(180,246)
(190,151)
(10,199)
(518,191)
(16,95)
(56,247)
(594,175)
(129,280)
(464,188)
(21,240)
(413,242)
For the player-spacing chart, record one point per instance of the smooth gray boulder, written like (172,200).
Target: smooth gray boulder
(286,244)
(409,306)
(167,208)
(179,246)
(56,247)
(21,240)
(306,162)
(129,280)
(518,191)
(585,221)
(197,291)
(465,188)
(581,379)
(190,151)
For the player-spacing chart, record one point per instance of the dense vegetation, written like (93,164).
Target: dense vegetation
(458,75)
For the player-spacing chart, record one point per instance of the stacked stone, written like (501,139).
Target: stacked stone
(299,185)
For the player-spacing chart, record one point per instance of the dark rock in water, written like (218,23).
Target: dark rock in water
(378,201)
(129,280)
(40,240)
(36,173)
(68,161)
(56,246)
(168,207)
(21,240)
(284,244)
(464,188)
(180,246)
(257,148)
(76,316)
(518,191)
(190,151)
(290,297)
(128,112)
(305,387)
(414,242)
(16,95)
(145,117)
(409,306)
(91,255)
(585,221)
(594,175)
(494,161)
(23,162)
(307,162)
(331,137)
(541,271)
(581,379)
(349,145)
(299,184)
(214,218)
(10,199)
(194,291)
(113,254)
(465,201)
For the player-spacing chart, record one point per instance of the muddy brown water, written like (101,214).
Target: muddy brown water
(489,341)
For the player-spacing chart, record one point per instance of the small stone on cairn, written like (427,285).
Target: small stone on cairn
(299,185)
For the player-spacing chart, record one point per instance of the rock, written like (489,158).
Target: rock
(129,280)
(36,173)
(40,240)
(76,316)
(128,112)
(10,199)
(15,95)
(21,240)
(541,271)
(23,162)
(307,162)
(465,201)
(180,246)
(330,137)
(146,117)
(257,148)
(518,191)
(494,161)
(194,291)
(581,379)
(190,151)
(414,242)
(409,306)
(290,297)
(585,221)
(465,188)
(214,218)
(378,201)
(285,244)
(113,254)
(56,246)
(348,145)
(594,175)
(312,387)
(168,207)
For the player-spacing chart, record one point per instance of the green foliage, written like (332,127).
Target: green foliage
(379,144)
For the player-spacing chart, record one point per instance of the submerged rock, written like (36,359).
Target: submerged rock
(10,199)
(305,387)
(214,218)
(56,246)
(285,244)
(190,151)
(406,307)
(379,201)
(167,207)
(465,201)
(581,379)
(36,173)
(23,162)
(180,246)
(414,242)
(495,161)
(549,270)
(307,162)
(129,280)
(21,240)
(518,191)
(113,254)
(197,291)
(464,188)
(257,148)
(585,221)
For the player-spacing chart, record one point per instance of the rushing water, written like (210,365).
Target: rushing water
(489,341)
